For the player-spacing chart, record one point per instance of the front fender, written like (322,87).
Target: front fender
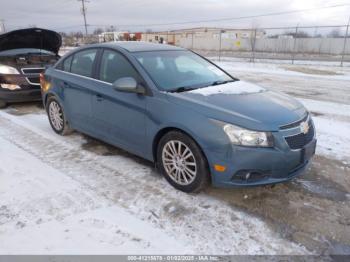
(167,115)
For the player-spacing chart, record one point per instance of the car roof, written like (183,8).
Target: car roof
(139,46)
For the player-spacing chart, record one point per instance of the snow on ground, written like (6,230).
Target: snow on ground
(91,204)
(332,121)
(322,72)
(39,201)
(107,201)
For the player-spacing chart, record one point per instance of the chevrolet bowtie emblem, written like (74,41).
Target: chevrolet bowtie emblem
(304,127)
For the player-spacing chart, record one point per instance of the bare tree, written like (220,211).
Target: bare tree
(335,33)
(299,34)
(98,31)
(110,28)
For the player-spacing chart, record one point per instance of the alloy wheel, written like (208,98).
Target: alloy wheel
(179,162)
(56,115)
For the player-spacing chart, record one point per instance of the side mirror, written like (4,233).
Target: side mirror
(129,85)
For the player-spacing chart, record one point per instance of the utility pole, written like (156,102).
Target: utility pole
(3,29)
(83,11)
(345,40)
(295,43)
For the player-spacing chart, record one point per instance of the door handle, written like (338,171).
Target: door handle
(65,84)
(99,98)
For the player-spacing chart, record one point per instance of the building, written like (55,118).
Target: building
(159,37)
(176,37)
(118,36)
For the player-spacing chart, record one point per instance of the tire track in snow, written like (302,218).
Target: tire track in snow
(200,222)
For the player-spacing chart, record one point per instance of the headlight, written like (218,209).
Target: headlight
(9,70)
(10,86)
(245,137)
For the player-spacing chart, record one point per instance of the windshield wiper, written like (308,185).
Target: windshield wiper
(182,89)
(189,88)
(219,82)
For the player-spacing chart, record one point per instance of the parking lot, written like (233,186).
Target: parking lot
(77,188)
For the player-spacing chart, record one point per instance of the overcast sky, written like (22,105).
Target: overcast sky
(65,15)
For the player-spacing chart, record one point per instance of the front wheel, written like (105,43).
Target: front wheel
(56,117)
(182,162)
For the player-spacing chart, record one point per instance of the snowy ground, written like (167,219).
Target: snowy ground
(76,195)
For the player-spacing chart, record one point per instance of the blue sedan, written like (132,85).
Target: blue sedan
(196,122)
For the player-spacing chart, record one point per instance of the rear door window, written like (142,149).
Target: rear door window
(83,62)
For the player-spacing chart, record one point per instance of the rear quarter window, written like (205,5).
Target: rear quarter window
(83,62)
(66,64)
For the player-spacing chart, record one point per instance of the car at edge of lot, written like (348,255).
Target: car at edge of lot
(24,54)
(171,106)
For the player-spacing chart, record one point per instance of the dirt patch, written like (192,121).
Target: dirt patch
(313,113)
(312,210)
(311,71)
(103,149)
(21,109)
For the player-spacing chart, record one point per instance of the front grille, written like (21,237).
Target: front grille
(32,70)
(34,80)
(300,140)
(295,124)
(32,75)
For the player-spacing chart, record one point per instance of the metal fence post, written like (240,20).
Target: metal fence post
(192,40)
(345,40)
(295,44)
(220,45)
(253,46)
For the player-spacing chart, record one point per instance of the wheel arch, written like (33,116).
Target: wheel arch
(46,98)
(168,129)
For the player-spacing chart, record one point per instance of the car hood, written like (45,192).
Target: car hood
(243,104)
(31,38)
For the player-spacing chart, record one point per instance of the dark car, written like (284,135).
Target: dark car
(24,54)
(181,111)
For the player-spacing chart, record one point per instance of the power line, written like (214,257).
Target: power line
(236,18)
(209,20)
(83,10)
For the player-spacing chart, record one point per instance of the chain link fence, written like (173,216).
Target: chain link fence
(299,44)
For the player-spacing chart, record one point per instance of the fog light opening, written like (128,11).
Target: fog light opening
(249,176)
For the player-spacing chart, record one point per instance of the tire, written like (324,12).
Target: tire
(3,104)
(190,164)
(57,117)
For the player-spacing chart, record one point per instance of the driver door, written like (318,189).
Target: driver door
(119,116)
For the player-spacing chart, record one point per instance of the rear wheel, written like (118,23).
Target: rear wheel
(3,104)
(56,117)
(182,162)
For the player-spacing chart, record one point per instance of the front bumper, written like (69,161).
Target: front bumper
(252,166)
(20,95)
(28,91)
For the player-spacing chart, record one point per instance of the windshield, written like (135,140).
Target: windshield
(24,51)
(172,70)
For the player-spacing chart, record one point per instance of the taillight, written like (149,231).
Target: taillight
(42,79)
(45,85)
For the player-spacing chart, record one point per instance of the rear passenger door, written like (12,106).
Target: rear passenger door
(119,116)
(78,85)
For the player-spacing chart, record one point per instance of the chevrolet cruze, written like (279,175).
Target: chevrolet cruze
(195,121)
